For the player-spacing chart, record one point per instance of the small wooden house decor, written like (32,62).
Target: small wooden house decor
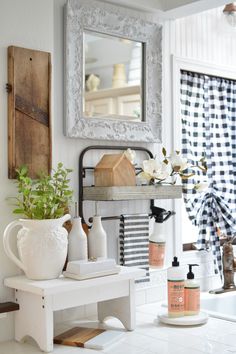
(114,170)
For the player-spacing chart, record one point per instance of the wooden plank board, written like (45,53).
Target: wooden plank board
(29,110)
(135,193)
(8,307)
(77,336)
(92,338)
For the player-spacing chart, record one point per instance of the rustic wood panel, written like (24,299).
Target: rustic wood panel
(29,110)
(128,193)
(77,336)
(8,307)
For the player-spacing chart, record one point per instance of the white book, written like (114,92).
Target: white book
(83,267)
(102,273)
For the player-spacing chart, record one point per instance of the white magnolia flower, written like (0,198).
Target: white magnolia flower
(153,169)
(201,187)
(178,162)
(131,155)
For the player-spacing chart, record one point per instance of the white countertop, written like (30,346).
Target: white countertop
(216,337)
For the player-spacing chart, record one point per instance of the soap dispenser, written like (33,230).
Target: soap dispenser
(191,293)
(175,279)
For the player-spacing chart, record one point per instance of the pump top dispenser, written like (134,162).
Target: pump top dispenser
(190,274)
(175,280)
(191,293)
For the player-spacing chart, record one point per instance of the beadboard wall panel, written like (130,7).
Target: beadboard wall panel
(68,150)
(205,37)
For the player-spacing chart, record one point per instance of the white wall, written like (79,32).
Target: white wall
(25,23)
(38,25)
(205,37)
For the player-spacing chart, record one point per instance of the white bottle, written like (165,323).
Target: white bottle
(191,294)
(97,239)
(77,241)
(157,246)
(175,279)
(158,234)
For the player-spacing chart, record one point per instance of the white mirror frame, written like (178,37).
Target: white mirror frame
(81,15)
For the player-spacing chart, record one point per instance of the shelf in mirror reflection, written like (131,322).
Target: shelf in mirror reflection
(119,103)
(112,62)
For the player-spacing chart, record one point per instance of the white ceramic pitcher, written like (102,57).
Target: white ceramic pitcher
(42,246)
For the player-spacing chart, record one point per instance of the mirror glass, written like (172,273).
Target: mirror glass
(113,77)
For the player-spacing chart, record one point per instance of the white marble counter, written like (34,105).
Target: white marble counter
(217,336)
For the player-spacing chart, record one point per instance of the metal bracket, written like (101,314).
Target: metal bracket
(82,170)
(8,88)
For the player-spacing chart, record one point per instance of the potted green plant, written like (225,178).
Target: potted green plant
(42,240)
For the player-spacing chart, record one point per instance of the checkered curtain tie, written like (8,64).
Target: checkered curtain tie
(208,113)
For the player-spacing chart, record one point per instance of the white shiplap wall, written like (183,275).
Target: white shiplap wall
(67,150)
(205,37)
(197,37)
(39,25)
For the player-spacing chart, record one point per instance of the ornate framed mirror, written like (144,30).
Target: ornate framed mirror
(113,73)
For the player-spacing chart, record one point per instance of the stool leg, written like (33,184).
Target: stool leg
(35,319)
(122,308)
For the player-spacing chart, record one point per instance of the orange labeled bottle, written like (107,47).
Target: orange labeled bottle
(175,279)
(191,294)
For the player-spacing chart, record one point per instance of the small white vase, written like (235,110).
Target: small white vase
(97,239)
(42,246)
(119,76)
(78,246)
(92,83)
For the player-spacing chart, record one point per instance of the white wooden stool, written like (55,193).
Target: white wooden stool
(115,295)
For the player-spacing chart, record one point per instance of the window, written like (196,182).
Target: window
(208,114)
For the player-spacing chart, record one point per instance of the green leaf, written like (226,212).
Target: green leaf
(18,211)
(166,161)
(43,198)
(164,151)
(23,170)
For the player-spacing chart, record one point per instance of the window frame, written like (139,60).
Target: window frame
(205,68)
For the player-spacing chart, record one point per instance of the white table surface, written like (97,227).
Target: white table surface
(62,284)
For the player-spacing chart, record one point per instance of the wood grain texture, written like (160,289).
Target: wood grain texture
(77,336)
(134,193)
(29,111)
(114,170)
(8,307)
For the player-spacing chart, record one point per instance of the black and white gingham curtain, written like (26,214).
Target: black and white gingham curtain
(208,113)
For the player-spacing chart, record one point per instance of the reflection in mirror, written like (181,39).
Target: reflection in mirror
(112,77)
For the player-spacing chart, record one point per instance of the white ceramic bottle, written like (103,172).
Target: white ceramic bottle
(97,239)
(175,278)
(77,241)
